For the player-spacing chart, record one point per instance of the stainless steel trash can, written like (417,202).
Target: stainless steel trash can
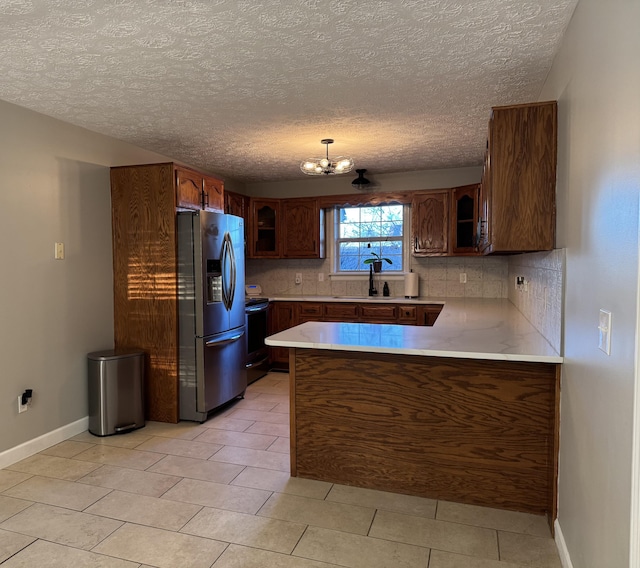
(116,391)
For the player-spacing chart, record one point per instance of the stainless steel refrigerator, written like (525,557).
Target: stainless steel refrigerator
(211,318)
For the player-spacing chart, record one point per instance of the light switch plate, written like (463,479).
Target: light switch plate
(604,331)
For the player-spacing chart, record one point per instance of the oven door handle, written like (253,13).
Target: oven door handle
(253,309)
(256,363)
(223,340)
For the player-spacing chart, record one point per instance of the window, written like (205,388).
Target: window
(361,231)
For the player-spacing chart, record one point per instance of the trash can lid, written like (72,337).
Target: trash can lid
(114,354)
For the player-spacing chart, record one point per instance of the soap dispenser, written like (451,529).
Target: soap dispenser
(385,289)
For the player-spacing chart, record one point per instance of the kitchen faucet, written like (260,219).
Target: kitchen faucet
(372,290)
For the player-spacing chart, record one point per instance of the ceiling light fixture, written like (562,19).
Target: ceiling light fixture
(326,166)
(360,182)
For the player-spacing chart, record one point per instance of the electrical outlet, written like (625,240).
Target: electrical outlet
(22,407)
(58,253)
(298,277)
(320,276)
(522,284)
(463,278)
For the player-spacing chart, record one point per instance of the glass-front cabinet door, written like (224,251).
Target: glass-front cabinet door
(265,235)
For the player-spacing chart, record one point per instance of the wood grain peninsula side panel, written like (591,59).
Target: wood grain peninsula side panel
(471,431)
(144,269)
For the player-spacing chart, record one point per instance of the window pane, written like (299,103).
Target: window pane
(391,248)
(391,229)
(349,230)
(370,229)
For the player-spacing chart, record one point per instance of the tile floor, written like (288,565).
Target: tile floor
(219,495)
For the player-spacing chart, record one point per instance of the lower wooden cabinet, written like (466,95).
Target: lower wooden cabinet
(378,313)
(283,315)
(409,315)
(340,311)
(428,314)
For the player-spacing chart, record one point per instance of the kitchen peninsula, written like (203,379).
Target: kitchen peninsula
(465,410)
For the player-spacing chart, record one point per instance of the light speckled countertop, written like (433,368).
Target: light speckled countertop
(491,329)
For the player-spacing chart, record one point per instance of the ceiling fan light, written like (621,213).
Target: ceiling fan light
(360,182)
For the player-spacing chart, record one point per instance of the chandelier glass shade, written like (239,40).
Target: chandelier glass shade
(327,166)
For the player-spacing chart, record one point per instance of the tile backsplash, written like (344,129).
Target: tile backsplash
(439,278)
(541,300)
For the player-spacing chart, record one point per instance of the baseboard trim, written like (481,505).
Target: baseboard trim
(565,559)
(13,455)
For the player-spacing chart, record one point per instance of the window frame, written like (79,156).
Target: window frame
(333,245)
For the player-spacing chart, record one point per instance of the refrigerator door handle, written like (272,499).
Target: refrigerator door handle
(223,340)
(228,262)
(232,258)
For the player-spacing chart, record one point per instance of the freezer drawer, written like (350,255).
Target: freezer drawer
(216,376)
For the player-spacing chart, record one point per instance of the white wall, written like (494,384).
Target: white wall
(596,79)
(335,185)
(55,187)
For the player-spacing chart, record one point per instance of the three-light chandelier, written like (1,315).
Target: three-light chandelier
(327,166)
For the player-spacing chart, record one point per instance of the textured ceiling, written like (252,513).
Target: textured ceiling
(248,88)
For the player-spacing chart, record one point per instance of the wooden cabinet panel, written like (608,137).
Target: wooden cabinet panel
(213,194)
(519,179)
(430,223)
(372,313)
(428,313)
(282,315)
(464,430)
(302,228)
(310,309)
(188,188)
(341,311)
(408,315)
(143,208)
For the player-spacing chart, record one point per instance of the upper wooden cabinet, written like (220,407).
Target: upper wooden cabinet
(213,194)
(286,228)
(188,188)
(464,220)
(517,203)
(430,223)
(265,228)
(302,228)
(198,191)
(236,204)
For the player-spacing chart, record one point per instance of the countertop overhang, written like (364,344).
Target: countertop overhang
(490,329)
